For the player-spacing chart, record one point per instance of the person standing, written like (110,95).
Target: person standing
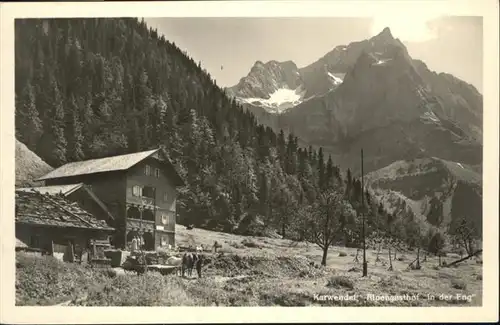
(134,244)
(199,264)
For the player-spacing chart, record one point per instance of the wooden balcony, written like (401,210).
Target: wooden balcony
(145,225)
(141,201)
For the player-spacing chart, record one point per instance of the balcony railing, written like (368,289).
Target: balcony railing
(140,224)
(141,200)
(147,200)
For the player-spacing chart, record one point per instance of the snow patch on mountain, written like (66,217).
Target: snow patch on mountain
(382,62)
(279,101)
(335,79)
(429,115)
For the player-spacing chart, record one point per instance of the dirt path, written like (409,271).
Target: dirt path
(221,279)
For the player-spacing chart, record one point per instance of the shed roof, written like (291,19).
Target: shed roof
(54,210)
(53,189)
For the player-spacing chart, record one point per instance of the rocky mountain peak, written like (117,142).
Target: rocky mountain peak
(265,79)
(384,34)
(258,65)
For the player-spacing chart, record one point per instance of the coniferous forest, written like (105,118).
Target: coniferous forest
(89,88)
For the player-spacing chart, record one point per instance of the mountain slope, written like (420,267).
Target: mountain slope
(100,87)
(401,114)
(28,165)
(387,96)
(439,192)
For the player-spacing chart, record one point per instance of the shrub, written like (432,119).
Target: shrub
(436,243)
(458,284)
(342,254)
(340,281)
(250,243)
(391,281)
(303,274)
(108,272)
(236,245)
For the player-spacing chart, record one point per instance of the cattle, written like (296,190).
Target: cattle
(188,262)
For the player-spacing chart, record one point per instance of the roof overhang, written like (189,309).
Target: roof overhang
(178,181)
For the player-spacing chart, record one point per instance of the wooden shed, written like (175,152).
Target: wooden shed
(55,225)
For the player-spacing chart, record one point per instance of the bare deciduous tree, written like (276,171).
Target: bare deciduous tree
(327,218)
(465,236)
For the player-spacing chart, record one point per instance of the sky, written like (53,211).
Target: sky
(228,47)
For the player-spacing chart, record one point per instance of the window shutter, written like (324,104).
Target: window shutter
(136,191)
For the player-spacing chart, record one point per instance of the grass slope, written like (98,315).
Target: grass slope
(28,165)
(252,271)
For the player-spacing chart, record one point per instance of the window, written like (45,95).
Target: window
(137,190)
(148,191)
(163,240)
(147,170)
(165,197)
(164,219)
(157,172)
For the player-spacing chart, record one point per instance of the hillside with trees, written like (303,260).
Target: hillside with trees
(89,88)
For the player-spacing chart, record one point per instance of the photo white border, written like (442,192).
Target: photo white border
(488,9)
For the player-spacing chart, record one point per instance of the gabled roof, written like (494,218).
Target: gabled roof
(108,164)
(53,189)
(35,208)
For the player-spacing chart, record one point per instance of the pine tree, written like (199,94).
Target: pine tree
(321,169)
(54,129)
(264,195)
(87,121)
(291,155)
(329,172)
(349,185)
(28,122)
(281,147)
(310,153)
(75,138)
